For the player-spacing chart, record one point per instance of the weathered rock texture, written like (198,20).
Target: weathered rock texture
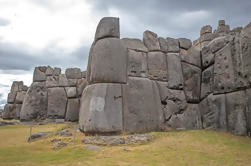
(135,85)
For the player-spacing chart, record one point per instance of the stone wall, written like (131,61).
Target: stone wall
(157,83)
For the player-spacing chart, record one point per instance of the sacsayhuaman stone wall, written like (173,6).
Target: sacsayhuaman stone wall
(134,86)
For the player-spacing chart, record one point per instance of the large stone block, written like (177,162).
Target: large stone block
(73,73)
(52,81)
(57,101)
(205,29)
(20,97)
(185,43)
(62,80)
(39,74)
(134,44)
(35,102)
(101,109)
(17,86)
(141,106)
(10,111)
(236,113)
(151,41)
(108,62)
(175,76)
(213,112)
(72,112)
(157,67)
(81,84)
(108,27)
(172,45)
(11,97)
(71,92)
(207,57)
(219,42)
(191,56)
(137,64)
(248,110)
(207,82)
(189,119)
(192,77)
(163,44)
(224,71)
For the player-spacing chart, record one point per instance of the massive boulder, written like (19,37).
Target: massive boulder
(207,81)
(11,111)
(108,62)
(101,109)
(172,45)
(141,106)
(57,101)
(72,111)
(39,74)
(151,41)
(35,102)
(185,43)
(134,44)
(107,27)
(137,64)
(191,56)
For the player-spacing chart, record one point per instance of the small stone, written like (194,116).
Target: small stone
(59,145)
(37,135)
(93,147)
(55,140)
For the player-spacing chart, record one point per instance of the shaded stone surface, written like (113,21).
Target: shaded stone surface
(175,76)
(108,62)
(11,97)
(108,27)
(57,101)
(71,92)
(39,74)
(248,110)
(141,106)
(185,43)
(81,84)
(52,81)
(20,97)
(172,45)
(101,109)
(137,64)
(192,76)
(72,112)
(207,81)
(150,39)
(37,135)
(191,56)
(134,44)
(157,67)
(35,102)
(73,73)
(207,57)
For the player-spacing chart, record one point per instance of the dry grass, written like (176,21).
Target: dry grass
(186,148)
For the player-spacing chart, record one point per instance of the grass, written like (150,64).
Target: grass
(183,148)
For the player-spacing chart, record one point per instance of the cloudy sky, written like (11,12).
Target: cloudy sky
(60,32)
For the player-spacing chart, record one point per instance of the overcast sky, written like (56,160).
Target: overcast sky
(60,32)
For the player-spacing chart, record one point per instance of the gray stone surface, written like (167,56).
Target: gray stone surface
(101,109)
(72,111)
(62,80)
(218,43)
(213,112)
(52,81)
(10,111)
(175,76)
(134,44)
(172,45)
(141,106)
(137,64)
(39,74)
(20,97)
(81,84)
(185,43)
(189,119)
(207,82)
(207,57)
(224,71)
(49,71)
(57,101)
(191,56)
(71,92)
(151,41)
(11,97)
(157,66)
(35,102)
(236,115)
(37,135)
(163,44)
(206,29)
(72,82)
(248,110)
(108,62)
(17,86)
(73,73)
(56,71)
(108,27)
(192,77)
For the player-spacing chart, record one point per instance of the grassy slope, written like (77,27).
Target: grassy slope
(186,148)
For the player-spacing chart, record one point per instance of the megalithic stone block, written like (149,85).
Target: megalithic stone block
(73,73)
(172,45)
(11,97)
(157,66)
(20,97)
(189,119)
(207,82)
(248,110)
(185,43)
(107,62)
(236,113)
(39,74)
(191,56)
(207,57)
(137,64)
(108,27)
(134,44)
(101,109)
(141,106)
(35,102)
(175,76)
(11,111)
(72,112)
(57,101)
(151,41)
(192,77)
(213,112)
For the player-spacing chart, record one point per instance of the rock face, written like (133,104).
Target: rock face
(134,86)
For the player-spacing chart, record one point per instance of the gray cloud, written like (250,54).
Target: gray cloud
(4,22)
(14,57)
